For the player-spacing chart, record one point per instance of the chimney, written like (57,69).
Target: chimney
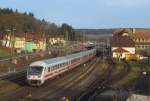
(133,30)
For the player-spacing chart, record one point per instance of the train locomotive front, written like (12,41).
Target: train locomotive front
(35,74)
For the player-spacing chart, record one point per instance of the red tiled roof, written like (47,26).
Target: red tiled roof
(55,36)
(120,50)
(120,41)
(141,34)
(19,34)
(35,36)
(121,31)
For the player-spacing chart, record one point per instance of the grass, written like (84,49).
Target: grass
(134,63)
(132,75)
(6,84)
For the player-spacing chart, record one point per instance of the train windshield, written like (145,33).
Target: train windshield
(36,70)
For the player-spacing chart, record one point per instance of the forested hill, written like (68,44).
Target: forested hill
(95,31)
(21,22)
(26,22)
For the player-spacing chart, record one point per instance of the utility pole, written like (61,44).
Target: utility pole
(67,43)
(13,40)
(11,31)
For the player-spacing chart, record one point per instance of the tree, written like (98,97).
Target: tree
(16,11)
(67,31)
(31,14)
(26,22)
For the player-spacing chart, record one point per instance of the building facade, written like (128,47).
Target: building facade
(122,45)
(141,37)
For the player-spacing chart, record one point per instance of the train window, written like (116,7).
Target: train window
(35,70)
(60,65)
(64,64)
(52,68)
(57,66)
(71,61)
(49,69)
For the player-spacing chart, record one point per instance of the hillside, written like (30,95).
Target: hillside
(95,31)
(95,34)
(24,22)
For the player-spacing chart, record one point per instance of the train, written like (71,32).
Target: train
(40,71)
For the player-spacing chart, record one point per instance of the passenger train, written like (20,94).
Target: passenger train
(38,72)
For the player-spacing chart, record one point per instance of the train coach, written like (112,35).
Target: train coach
(38,72)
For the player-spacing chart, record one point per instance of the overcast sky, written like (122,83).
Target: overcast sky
(87,13)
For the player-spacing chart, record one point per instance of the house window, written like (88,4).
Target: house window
(138,40)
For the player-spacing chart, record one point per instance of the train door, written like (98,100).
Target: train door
(45,71)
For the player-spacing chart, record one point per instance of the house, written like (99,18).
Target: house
(1,38)
(55,39)
(6,41)
(141,37)
(138,97)
(35,41)
(39,41)
(25,41)
(122,45)
(17,40)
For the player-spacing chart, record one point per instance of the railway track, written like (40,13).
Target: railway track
(27,93)
(126,69)
(53,89)
(70,82)
(18,77)
(98,85)
(104,83)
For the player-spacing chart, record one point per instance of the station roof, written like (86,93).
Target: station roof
(120,50)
